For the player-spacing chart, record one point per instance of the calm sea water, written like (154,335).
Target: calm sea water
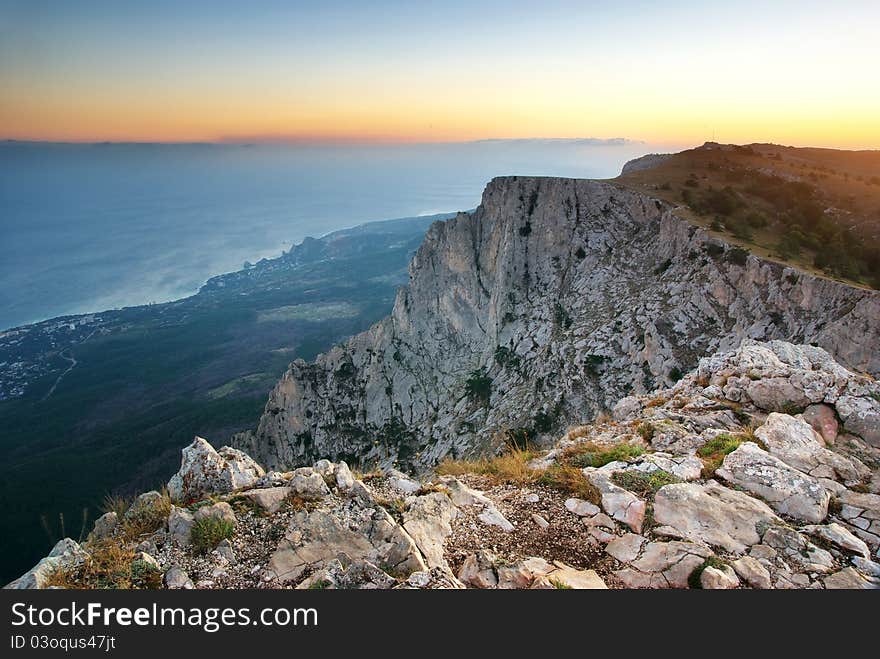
(93,227)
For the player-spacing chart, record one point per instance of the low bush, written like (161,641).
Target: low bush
(208,532)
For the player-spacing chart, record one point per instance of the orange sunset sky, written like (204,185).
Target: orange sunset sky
(802,73)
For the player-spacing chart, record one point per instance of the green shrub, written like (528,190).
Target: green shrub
(208,532)
(590,455)
(646,430)
(644,484)
(479,386)
(694,578)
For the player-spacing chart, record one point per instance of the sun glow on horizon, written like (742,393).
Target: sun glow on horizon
(796,73)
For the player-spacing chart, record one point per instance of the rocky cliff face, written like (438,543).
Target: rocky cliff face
(550,302)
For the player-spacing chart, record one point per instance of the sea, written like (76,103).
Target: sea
(89,227)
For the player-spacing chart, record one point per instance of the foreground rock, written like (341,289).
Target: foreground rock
(206,471)
(65,554)
(713,515)
(788,491)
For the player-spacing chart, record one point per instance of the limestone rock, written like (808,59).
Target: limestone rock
(713,514)
(838,536)
(620,504)
(206,471)
(751,571)
(104,526)
(345,481)
(180,522)
(177,579)
(478,571)
(563,275)
(320,536)
(269,499)
(799,552)
(788,491)
(462,495)
(493,517)
(861,416)
(718,578)
(860,512)
(849,578)
(66,554)
(570,578)
(664,565)
(823,419)
(428,522)
(795,442)
(626,548)
(539,521)
(581,508)
(308,483)
(220,510)
(683,467)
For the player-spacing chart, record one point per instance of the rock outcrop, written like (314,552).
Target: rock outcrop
(696,485)
(548,304)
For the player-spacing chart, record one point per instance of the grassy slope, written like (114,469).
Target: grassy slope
(776,189)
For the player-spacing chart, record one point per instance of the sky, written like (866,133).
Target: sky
(800,73)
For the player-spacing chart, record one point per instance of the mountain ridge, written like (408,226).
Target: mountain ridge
(556,297)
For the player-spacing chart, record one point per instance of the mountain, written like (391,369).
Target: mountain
(551,301)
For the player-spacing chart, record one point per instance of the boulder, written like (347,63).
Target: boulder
(403,483)
(462,495)
(751,571)
(861,416)
(713,514)
(795,442)
(180,522)
(664,565)
(823,419)
(105,525)
(849,579)
(626,548)
(319,536)
(522,574)
(718,578)
(620,504)
(626,408)
(206,471)
(177,579)
(308,483)
(570,578)
(65,555)
(838,536)
(788,491)
(683,467)
(345,481)
(220,510)
(269,499)
(581,508)
(797,551)
(428,522)
(478,570)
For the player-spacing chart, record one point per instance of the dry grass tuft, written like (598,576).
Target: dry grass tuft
(111,565)
(571,480)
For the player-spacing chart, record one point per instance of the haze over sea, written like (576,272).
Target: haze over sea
(88,227)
